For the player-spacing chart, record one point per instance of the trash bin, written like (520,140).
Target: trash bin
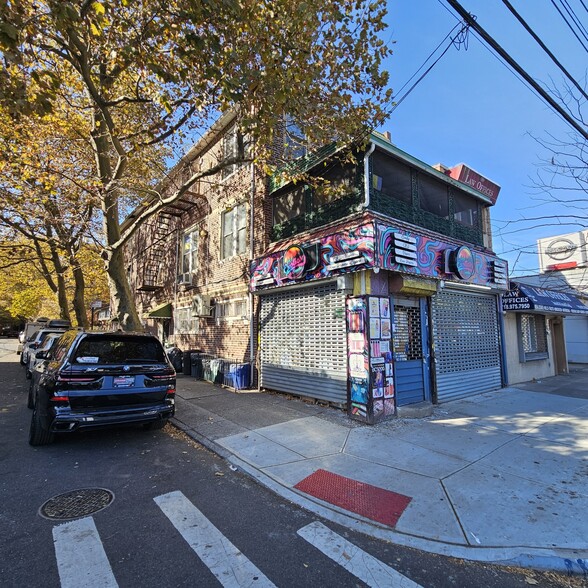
(240,374)
(197,369)
(216,371)
(186,360)
(175,356)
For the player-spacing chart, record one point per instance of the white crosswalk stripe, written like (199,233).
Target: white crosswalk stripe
(81,560)
(225,561)
(356,561)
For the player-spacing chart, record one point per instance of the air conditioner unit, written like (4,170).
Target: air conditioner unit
(185,279)
(201,305)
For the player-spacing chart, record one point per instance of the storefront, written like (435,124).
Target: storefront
(534,331)
(376,316)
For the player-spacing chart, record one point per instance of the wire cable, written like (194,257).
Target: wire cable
(544,47)
(492,42)
(569,25)
(460,38)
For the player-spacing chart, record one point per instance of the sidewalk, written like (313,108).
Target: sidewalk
(500,477)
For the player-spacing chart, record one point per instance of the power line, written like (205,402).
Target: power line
(569,25)
(544,47)
(492,42)
(457,41)
(575,18)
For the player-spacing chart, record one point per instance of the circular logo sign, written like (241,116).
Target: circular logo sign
(463,263)
(560,249)
(293,262)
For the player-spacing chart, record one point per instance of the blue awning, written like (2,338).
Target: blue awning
(524,298)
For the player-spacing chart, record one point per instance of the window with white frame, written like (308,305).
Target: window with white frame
(231,309)
(189,251)
(234,231)
(185,322)
(232,148)
(532,337)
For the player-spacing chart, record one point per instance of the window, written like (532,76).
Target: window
(185,322)
(113,349)
(465,209)
(234,231)
(189,252)
(289,205)
(433,196)
(391,177)
(232,148)
(231,309)
(339,181)
(532,337)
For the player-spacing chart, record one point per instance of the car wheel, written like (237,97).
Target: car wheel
(38,433)
(155,425)
(31,398)
(21,359)
(28,374)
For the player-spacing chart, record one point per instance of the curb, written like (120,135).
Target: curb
(571,562)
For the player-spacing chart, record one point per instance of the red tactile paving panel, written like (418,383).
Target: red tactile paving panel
(366,500)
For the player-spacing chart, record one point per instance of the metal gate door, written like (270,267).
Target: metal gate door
(410,351)
(303,343)
(467,344)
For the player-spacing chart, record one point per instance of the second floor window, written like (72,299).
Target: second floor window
(189,252)
(234,231)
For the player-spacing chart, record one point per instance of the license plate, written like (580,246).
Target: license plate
(123,381)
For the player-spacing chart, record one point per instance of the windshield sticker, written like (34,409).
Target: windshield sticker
(89,359)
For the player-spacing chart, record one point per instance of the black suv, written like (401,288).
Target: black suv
(94,379)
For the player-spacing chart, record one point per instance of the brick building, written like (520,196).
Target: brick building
(189,264)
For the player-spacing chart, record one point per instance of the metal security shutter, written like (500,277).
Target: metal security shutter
(467,344)
(303,343)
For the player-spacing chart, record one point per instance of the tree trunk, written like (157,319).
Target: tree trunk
(61,289)
(123,304)
(79,292)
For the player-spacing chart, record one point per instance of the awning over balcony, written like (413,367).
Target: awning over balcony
(163,311)
(525,298)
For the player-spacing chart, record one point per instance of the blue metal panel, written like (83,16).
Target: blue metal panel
(426,347)
(409,382)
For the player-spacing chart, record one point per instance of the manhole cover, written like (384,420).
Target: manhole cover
(77,503)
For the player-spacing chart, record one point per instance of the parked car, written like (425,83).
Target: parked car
(36,339)
(94,379)
(37,358)
(31,327)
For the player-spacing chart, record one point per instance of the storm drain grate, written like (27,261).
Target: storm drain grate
(77,503)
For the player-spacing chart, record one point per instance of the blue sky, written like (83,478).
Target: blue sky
(470,108)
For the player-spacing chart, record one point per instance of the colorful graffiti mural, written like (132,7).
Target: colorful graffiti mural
(433,258)
(333,255)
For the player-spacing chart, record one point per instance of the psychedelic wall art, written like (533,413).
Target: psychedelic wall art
(419,255)
(351,249)
(370,366)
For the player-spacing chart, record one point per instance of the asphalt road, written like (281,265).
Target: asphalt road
(180,516)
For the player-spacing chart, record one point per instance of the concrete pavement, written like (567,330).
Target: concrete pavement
(500,477)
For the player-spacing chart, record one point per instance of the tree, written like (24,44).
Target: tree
(156,73)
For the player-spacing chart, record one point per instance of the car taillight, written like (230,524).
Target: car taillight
(171,392)
(66,381)
(76,379)
(59,398)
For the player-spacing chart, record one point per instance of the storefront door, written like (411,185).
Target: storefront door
(411,350)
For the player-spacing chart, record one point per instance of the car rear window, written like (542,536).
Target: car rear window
(113,349)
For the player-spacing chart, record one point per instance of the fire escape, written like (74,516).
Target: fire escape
(159,229)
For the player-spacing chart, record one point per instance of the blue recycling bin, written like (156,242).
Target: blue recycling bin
(240,374)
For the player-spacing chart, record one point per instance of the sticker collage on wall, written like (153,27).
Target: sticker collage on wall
(370,365)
